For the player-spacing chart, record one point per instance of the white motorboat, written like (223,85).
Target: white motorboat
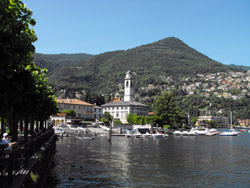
(202,132)
(177,133)
(104,127)
(212,132)
(193,133)
(138,135)
(229,133)
(85,137)
(128,134)
(59,131)
(158,135)
(185,133)
(82,129)
(147,135)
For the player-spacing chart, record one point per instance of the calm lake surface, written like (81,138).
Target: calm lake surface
(178,161)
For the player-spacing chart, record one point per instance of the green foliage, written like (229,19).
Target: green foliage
(194,120)
(25,92)
(117,122)
(70,112)
(56,61)
(211,123)
(107,117)
(166,107)
(166,126)
(142,120)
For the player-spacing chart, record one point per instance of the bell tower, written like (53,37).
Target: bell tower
(128,87)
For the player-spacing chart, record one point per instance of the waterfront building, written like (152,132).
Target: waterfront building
(84,111)
(202,120)
(244,122)
(98,112)
(120,109)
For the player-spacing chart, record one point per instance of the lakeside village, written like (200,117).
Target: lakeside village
(119,110)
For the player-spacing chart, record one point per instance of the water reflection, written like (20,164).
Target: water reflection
(174,162)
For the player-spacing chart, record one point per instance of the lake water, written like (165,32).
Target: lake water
(197,161)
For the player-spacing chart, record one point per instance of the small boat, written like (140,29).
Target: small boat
(104,127)
(185,133)
(85,137)
(138,135)
(158,135)
(230,132)
(82,129)
(193,133)
(177,133)
(202,132)
(249,131)
(128,134)
(147,135)
(243,130)
(212,132)
(59,131)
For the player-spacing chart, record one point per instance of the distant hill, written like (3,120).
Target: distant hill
(103,73)
(246,68)
(57,61)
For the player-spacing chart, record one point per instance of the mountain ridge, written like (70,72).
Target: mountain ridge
(103,72)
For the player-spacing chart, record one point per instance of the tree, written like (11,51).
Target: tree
(166,107)
(25,93)
(70,112)
(107,117)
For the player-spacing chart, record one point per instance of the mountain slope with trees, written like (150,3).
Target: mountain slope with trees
(57,61)
(167,57)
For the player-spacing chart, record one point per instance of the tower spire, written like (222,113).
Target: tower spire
(128,87)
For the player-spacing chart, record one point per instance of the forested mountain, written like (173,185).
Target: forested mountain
(57,61)
(240,67)
(103,73)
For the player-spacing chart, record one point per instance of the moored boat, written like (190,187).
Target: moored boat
(177,133)
(230,132)
(243,130)
(158,135)
(85,137)
(138,135)
(128,134)
(147,135)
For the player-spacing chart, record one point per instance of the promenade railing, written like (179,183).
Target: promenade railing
(18,161)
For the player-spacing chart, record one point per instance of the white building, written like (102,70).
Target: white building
(120,109)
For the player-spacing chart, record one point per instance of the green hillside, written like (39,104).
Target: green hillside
(167,57)
(57,61)
(246,68)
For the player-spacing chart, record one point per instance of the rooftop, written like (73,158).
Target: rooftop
(124,103)
(73,101)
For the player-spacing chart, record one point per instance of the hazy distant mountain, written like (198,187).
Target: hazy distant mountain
(103,73)
(240,67)
(57,61)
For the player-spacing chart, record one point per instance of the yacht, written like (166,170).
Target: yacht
(231,131)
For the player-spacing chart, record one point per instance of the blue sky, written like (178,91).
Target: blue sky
(219,29)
